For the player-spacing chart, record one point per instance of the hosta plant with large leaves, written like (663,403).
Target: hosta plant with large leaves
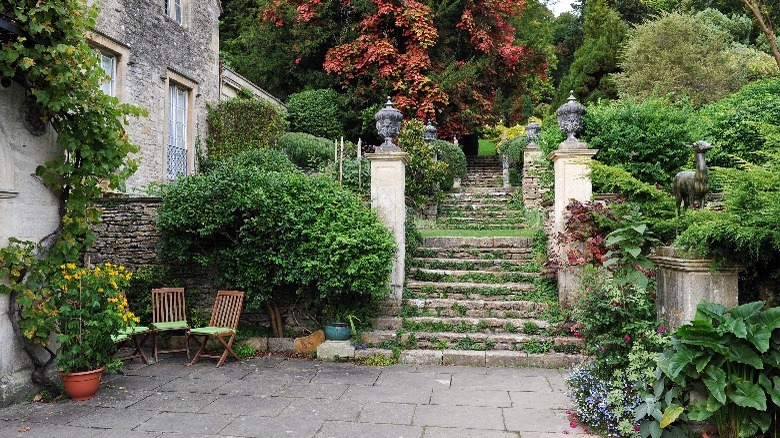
(731,358)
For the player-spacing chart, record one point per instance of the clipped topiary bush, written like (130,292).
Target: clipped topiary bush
(648,139)
(455,159)
(423,172)
(316,112)
(307,151)
(267,160)
(237,125)
(280,236)
(734,123)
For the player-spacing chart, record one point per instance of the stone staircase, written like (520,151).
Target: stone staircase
(478,300)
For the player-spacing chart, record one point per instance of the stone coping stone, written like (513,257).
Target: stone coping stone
(464,358)
(370,352)
(421,357)
(331,350)
(506,358)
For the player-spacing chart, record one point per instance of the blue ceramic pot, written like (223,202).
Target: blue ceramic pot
(338,331)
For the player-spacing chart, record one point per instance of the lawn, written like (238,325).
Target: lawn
(486,147)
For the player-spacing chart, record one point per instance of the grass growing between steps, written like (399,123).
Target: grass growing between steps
(497,232)
(486,147)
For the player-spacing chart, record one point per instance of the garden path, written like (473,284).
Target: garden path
(275,396)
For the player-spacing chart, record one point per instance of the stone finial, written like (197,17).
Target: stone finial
(430,132)
(532,131)
(570,118)
(388,125)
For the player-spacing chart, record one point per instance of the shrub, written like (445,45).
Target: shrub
(316,112)
(734,124)
(455,159)
(349,175)
(139,297)
(423,172)
(237,125)
(645,138)
(306,150)
(514,149)
(280,235)
(267,160)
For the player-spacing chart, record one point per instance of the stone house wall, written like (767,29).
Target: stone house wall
(154,51)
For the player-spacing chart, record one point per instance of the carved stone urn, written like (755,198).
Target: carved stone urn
(430,133)
(388,125)
(532,130)
(570,120)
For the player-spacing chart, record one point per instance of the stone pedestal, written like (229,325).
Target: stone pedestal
(532,194)
(683,282)
(388,173)
(572,182)
(505,170)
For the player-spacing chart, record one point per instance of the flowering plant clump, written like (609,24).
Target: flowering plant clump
(93,308)
(607,405)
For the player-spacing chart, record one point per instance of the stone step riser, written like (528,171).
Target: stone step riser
(516,257)
(435,340)
(495,325)
(491,266)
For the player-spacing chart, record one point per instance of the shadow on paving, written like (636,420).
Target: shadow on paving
(298,398)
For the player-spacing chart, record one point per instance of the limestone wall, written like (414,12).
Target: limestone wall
(158,50)
(28,211)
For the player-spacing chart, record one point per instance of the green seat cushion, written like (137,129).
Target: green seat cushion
(124,334)
(211,330)
(173,325)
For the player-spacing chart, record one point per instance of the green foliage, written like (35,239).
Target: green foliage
(237,125)
(244,350)
(735,123)
(423,172)
(93,309)
(597,57)
(276,235)
(536,346)
(630,242)
(380,360)
(530,328)
(261,160)
(675,55)
(513,149)
(306,150)
(645,138)
(358,183)
(316,112)
(57,66)
(455,159)
(730,357)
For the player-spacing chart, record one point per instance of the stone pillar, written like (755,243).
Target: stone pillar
(388,171)
(683,282)
(532,194)
(571,183)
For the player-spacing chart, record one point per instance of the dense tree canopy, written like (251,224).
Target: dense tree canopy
(460,63)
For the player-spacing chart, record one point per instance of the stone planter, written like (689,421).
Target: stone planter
(684,281)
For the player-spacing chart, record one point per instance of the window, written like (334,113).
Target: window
(173,9)
(108,62)
(176,153)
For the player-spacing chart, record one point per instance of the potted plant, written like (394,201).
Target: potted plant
(341,330)
(92,309)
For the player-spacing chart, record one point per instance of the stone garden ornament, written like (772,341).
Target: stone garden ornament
(388,124)
(570,120)
(690,186)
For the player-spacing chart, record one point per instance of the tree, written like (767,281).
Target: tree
(681,55)
(450,62)
(597,58)
(760,10)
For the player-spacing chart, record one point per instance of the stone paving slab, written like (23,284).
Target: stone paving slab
(298,398)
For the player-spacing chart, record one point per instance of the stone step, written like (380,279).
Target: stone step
(476,341)
(514,254)
(487,277)
(491,358)
(480,243)
(489,265)
(516,308)
(465,323)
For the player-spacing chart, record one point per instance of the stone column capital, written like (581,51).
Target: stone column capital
(388,156)
(572,153)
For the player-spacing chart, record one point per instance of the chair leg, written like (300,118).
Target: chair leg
(200,349)
(154,344)
(139,352)
(228,349)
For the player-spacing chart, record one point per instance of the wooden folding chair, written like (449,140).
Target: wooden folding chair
(223,324)
(169,313)
(137,335)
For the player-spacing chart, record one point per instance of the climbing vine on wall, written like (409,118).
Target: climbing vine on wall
(47,53)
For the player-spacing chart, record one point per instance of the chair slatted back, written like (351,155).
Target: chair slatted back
(168,305)
(227,309)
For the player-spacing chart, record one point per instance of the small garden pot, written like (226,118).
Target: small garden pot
(338,331)
(82,386)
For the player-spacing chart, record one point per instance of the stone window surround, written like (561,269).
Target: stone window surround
(174,78)
(122,56)
(185,12)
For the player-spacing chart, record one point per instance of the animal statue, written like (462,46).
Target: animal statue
(690,186)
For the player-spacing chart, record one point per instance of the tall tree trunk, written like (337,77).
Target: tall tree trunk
(766,26)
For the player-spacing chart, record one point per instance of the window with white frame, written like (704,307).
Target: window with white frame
(173,8)
(176,153)
(108,63)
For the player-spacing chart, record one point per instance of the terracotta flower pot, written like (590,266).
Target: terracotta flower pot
(82,386)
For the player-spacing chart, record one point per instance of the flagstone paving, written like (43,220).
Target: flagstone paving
(297,398)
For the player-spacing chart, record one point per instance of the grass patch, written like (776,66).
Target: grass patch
(499,232)
(486,147)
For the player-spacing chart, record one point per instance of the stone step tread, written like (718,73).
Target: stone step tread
(461,272)
(506,339)
(491,266)
(511,287)
(481,304)
(394,322)
(450,254)
(490,358)
(484,189)
(484,262)
(478,242)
